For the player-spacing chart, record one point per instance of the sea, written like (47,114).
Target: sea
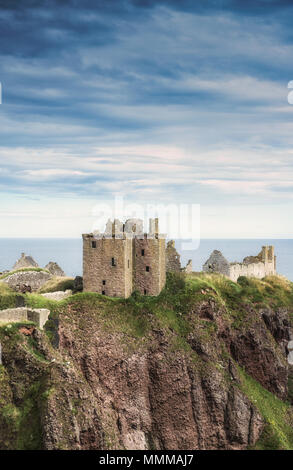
(67,252)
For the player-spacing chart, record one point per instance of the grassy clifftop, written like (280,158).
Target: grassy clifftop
(181,295)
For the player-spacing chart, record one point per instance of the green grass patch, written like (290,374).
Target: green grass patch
(236,297)
(11,301)
(278,433)
(116,314)
(55,307)
(5,289)
(38,301)
(20,424)
(57,284)
(25,420)
(274,291)
(33,349)
(9,298)
(134,317)
(12,329)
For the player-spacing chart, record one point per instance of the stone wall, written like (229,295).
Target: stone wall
(162,262)
(33,279)
(188,267)
(38,316)
(12,315)
(217,263)
(107,265)
(173,263)
(258,270)
(259,266)
(22,314)
(150,264)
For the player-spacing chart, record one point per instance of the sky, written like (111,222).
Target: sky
(159,102)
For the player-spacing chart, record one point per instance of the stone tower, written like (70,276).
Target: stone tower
(124,259)
(149,267)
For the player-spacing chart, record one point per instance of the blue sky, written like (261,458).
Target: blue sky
(159,101)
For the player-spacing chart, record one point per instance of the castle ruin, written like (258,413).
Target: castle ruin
(173,263)
(264,264)
(124,259)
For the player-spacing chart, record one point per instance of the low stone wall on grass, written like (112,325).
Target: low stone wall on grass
(22,314)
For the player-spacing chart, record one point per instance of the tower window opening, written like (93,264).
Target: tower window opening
(94,244)
(113,262)
(142,252)
(103,292)
(104,283)
(145,292)
(147,268)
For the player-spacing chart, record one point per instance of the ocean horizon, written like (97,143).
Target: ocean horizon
(67,252)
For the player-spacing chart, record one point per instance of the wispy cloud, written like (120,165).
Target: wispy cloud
(176,101)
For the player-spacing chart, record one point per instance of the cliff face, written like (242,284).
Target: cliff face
(202,366)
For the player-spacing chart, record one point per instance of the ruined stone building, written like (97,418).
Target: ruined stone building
(25,261)
(173,263)
(124,259)
(264,264)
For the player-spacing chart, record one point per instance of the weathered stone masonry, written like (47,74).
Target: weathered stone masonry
(149,253)
(173,263)
(34,279)
(264,264)
(124,259)
(24,314)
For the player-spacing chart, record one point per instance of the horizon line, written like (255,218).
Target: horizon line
(181,239)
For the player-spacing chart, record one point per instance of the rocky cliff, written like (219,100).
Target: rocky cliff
(201,366)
